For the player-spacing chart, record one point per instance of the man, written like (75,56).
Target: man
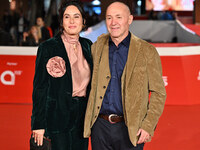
(121,114)
(45,34)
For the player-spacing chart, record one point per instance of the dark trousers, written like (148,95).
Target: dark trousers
(69,141)
(72,137)
(107,136)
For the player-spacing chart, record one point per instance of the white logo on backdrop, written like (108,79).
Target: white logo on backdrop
(11,63)
(12,75)
(165,80)
(198,77)
(12,78)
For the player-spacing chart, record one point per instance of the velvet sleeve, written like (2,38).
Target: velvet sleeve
(40,87)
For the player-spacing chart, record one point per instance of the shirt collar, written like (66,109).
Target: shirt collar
(125,42)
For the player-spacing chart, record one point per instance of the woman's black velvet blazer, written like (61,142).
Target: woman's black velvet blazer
(52,96)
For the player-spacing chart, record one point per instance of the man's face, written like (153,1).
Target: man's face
(118,19)
(40,22)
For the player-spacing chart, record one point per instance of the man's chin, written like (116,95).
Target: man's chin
(114,35)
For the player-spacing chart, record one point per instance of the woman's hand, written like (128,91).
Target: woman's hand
(25,35)
(38,136)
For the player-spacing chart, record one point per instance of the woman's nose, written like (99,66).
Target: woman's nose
(71,20)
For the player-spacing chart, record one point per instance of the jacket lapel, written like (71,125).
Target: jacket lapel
(132,56)
(104,62)
(86,47)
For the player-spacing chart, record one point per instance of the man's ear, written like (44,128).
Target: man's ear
(130,19)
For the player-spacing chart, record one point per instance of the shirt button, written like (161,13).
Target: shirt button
(104,87)
(107,77)
(98,107)
(101,97)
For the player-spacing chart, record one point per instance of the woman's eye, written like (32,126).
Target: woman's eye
(76,17)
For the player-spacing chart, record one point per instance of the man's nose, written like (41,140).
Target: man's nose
(113,22)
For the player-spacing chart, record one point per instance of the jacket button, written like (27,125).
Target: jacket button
(101,97)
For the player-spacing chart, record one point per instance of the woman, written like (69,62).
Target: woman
(31,38)
(62,76)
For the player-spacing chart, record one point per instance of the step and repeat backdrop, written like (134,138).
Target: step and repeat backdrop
(181,73)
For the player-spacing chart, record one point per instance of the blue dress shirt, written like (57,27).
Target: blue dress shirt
(112,102)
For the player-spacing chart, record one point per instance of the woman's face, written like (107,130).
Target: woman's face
(72,20)
(34,30)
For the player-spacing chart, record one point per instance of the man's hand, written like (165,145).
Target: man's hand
(144,136)
(38,136)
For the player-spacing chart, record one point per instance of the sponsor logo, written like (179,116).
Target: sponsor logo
(9,74)
(165,80)
(11,63)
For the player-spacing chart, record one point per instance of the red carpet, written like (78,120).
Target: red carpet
(193,27)
(178,128)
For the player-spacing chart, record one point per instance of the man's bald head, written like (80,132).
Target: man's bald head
(119,5)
